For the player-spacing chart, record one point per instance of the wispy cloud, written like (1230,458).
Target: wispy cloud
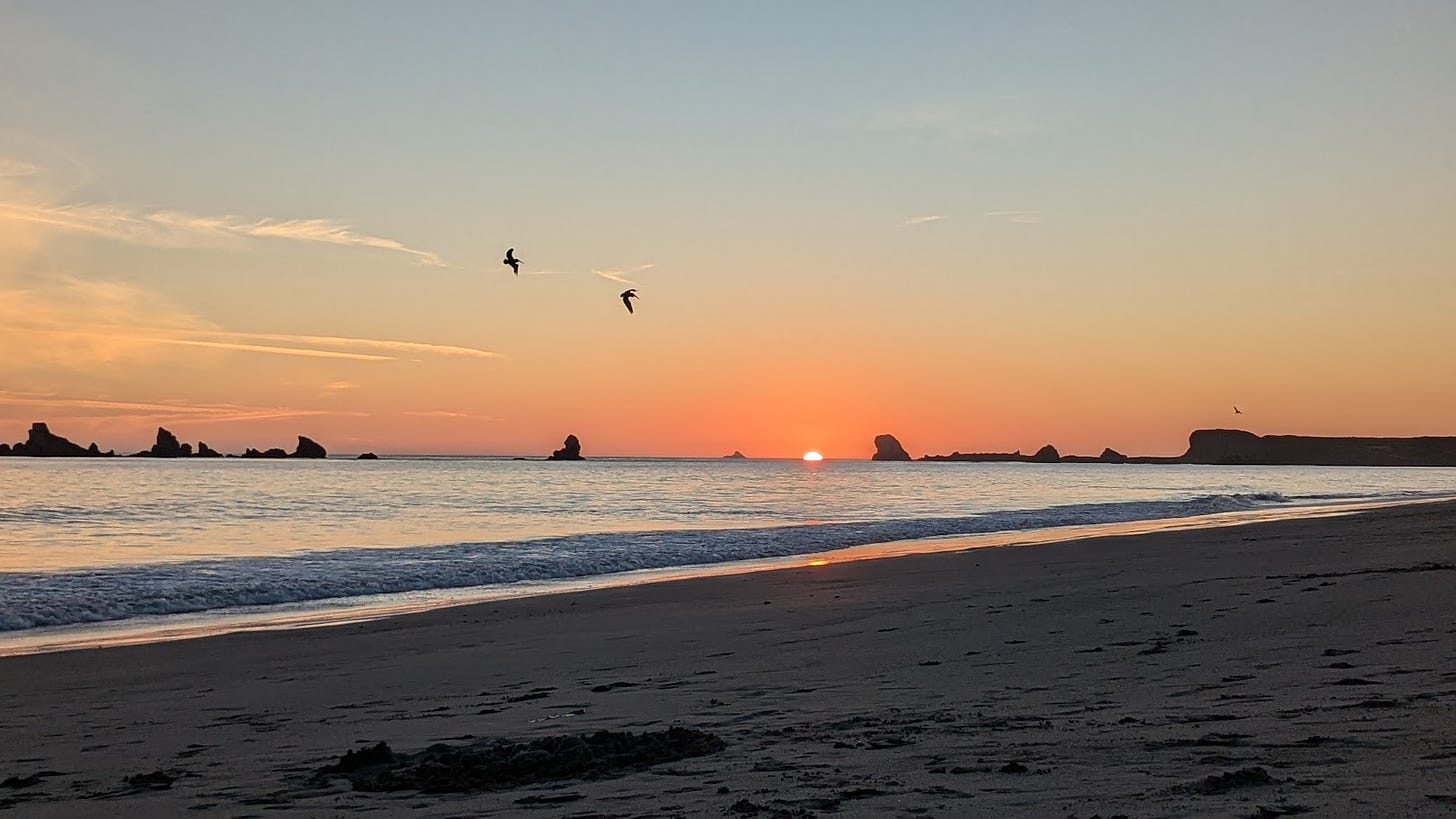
(168,412)
(921,220)
(446,414)
(170,228)
(620,276)
(16,168)
(1022,217)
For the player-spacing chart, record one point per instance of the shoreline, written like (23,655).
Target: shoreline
(331,612)
(1306,663)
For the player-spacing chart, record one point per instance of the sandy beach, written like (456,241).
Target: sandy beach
(1258,670)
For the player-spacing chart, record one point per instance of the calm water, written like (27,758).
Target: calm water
(83,541)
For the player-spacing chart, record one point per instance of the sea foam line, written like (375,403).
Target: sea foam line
(37,599)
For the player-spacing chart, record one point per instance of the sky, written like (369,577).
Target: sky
(976,226)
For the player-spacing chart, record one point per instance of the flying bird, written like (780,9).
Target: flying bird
(1238,411)
(511,260)
(628,296)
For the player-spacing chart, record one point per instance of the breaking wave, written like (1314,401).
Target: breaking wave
(36,599)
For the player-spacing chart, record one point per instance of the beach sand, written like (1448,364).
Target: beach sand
(1220,672)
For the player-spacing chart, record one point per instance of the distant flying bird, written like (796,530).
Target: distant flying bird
(511,260)
(628,296)
(1237,411)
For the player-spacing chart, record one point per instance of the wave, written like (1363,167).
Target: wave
(38,599)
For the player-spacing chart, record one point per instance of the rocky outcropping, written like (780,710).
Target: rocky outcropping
(887,448)
(42,443)
(570,451)
(205,451)
(1046,455)
(736,456)
(275,452)
(1238,447)
(308,448)
(167,446)
(367,456)
(978,457)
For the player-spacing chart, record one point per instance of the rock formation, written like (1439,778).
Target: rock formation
(978,457)
(367,456)
(166,446)
(736,456)
(275,452)
(570,450)
(42,443)
(887,448)
(307,448)
(1112,456)
(1046,455)
(205,451)
(1236,446)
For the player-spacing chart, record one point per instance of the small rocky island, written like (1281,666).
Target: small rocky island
(888,448)
(42,443)
(570,451)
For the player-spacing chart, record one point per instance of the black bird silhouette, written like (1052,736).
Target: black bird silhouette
(1238,411)
(628,296)
(511,260)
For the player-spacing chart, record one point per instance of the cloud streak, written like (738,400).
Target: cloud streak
(620,276)
(172,413)
(922,220)
(170,228)
(1022,217)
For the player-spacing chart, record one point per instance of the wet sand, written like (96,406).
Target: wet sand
(1249,670)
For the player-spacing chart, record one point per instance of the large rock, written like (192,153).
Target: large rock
(42,443)
(570,451)
(275,452)
(308,448)
(4,449)
(167,446)
(1112,456)
(887,448)
(367,456)
(736,456)
(1046,455)
(205,451)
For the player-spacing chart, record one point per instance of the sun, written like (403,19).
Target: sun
(811,455)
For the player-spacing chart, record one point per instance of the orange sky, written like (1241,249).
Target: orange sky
(977,232)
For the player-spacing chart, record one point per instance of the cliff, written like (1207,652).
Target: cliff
(1236,446)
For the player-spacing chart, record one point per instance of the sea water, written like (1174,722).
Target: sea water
(142,547)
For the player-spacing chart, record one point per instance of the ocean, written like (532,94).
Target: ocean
(124,550)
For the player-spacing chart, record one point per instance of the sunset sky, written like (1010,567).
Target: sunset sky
(978,226)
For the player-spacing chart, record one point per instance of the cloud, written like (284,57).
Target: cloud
(169,228)
(1023,217)
(921,220)
(620,276)
(87,327)
(15,168)
(450,415)
(169,412)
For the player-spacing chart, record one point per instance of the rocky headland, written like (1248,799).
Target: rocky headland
(1236,447)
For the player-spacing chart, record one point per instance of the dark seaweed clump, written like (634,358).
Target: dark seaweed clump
(492,765)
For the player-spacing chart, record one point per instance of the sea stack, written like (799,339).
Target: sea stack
(887,448)
(307,448)
(1046,455)
(570,451)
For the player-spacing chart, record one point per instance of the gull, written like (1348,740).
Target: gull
(628,296)
(1238,411)
(511,260)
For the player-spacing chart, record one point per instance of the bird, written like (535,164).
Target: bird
(1238,411)
(511,260)
(628,296)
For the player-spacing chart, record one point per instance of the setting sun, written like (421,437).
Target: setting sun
(811,455)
